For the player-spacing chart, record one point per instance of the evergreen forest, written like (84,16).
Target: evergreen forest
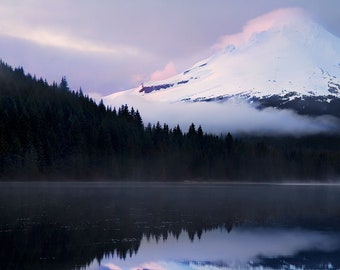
(50,132)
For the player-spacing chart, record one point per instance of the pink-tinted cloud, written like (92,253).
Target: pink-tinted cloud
(168,71)
(272,20)
(111,266)
(151,265)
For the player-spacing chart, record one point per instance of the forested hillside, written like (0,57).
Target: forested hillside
(49,132)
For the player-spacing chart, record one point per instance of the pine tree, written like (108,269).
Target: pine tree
(64,84)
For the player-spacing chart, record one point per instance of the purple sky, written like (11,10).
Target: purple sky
(110,45)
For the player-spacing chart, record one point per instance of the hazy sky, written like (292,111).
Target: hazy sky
(110,45)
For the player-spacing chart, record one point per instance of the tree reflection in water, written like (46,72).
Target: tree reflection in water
(68,226)
(243,248)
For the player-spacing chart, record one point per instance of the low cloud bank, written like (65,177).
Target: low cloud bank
(234,116)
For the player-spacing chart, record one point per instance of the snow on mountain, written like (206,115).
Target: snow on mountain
(291,58)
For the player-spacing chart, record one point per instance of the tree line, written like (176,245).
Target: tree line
(50,132)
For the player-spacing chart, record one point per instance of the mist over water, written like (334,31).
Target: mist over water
(163,226)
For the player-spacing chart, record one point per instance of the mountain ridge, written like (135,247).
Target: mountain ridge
(280,75)
(290,60)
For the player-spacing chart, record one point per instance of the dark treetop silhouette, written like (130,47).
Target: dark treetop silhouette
(50,132)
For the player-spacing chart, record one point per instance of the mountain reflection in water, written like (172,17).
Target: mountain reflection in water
(168,226)
(242,248)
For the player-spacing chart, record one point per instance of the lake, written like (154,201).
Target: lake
(156,226)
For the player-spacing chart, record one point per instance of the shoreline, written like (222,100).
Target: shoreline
(170,183)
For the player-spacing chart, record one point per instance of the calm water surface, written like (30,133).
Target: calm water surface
(94,226)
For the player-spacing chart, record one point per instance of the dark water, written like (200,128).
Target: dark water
(169,226)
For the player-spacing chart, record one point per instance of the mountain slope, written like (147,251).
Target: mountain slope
(278,61)
(292,64)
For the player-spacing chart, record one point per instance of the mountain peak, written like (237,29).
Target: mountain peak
(279,20)
(283,55)
(275,54)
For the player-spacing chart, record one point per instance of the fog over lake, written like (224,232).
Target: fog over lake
(158,226)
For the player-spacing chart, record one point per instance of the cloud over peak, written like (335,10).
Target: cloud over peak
(272,20)
(168,71)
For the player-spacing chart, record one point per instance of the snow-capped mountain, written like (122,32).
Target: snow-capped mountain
(293,63)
